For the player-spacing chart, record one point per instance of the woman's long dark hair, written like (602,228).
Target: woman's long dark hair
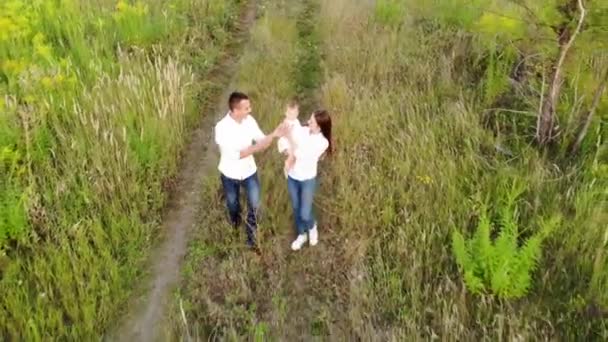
(324,121)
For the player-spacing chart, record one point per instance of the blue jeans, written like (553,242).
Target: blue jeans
(232,189)
(302,193)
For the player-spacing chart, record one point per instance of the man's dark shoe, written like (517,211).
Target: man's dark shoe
(255,249)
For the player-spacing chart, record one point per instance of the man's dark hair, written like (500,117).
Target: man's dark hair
(235,98)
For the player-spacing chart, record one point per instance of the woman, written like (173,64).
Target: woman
(307,145)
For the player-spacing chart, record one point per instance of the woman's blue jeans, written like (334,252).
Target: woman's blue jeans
(302,193)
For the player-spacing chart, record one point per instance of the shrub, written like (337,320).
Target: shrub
(503,266)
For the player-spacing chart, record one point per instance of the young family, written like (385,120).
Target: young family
(239,137)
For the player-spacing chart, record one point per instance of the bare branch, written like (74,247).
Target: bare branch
(565,49)
(544,129)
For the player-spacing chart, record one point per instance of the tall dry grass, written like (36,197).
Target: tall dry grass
(97,101)
(422,161)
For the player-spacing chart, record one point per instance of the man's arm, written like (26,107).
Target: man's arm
(228,150)
(260,145)
(262,140)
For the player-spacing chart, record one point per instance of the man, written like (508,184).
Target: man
(234,135)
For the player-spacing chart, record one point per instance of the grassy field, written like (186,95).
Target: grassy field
(96,101)
(439,215)
(417,161)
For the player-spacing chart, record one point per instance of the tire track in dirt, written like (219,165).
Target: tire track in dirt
(314,279)
(145,320)
(314,282)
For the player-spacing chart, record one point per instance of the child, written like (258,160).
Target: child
(291,117)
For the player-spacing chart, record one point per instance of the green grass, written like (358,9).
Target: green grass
(308,71)
(94,111)
(97,101)
(415,158)
(412,129)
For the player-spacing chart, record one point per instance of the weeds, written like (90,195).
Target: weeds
(97,99)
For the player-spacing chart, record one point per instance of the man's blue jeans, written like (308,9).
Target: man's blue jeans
(232,189)
(302,193)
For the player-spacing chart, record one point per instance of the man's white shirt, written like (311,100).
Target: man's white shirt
(232,137)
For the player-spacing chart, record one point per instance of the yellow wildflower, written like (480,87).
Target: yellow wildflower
(41,49)
(44,51)
(13,67)
(425,179)
(13,7)
(59,78)
(6,28)
(47,82)
(141,8)
(21,22)
(9,65)
(38,39)
(121,6)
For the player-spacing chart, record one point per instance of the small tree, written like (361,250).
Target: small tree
(504,266)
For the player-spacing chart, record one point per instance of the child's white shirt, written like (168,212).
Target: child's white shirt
(283,142)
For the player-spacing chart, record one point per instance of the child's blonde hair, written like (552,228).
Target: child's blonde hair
(293,103)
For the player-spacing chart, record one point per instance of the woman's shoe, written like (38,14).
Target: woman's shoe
(314,235)
(297,243)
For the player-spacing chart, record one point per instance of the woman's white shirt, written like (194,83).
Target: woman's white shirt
(309,148)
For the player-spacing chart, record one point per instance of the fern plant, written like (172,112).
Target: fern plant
(502,266)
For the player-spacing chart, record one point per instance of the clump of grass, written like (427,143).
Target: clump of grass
(390,12)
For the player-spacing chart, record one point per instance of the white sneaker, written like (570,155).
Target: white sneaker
(297,243)
(314,235)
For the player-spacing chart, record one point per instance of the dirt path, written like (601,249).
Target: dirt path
(145,320)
